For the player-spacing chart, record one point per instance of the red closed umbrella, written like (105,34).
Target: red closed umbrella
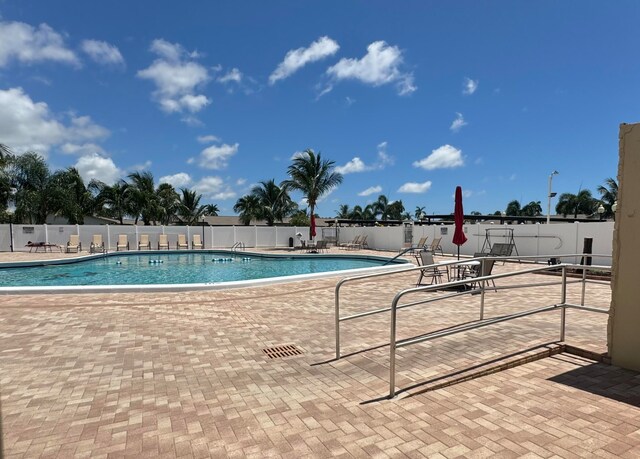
(312,228)
(459,237)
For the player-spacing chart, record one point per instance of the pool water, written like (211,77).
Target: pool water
(183,268)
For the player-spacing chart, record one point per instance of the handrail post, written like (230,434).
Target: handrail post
(584,286)
(563,301)
(392,348)
(482,290)
(337,320)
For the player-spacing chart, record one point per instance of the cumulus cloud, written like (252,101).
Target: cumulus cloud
(469,86)
(371,190)
(295,59)
(381,65)
(26,125)
(444,157)
(458,123)
(215,156)
(233,75)
(95,166)
(178,78)
(214,187)
(142,166)
(413,187)
(102,52)
(81,149)
(179,180)
(27,44)
(357,165)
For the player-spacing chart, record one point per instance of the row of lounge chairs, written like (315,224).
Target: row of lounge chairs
(422,245)
(144,243)
(359,242)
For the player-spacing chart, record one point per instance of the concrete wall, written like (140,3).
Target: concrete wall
(624,319)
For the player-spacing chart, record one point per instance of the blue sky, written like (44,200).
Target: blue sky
(409,99)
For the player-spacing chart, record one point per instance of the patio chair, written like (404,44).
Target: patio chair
(355,241)
(322,246)
(485,268)
(97,244)
(363,242)
(431,271)
(182,242)
(422,242)
(163,242)
(74,244)
(144,243)
(435,246)
(123,242)
(196,242)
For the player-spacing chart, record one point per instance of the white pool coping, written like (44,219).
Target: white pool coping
(148,288)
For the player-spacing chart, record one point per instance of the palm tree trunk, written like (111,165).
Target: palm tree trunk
(312,208)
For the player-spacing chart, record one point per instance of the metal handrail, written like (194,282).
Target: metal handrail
(563,305)
(237,246)
(338,319)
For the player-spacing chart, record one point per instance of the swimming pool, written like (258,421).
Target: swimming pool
(179,271)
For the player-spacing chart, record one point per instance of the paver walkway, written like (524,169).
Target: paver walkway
(184,374)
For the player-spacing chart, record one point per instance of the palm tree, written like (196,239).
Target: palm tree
(248,207)
(189,209)
(313,176)
(31,177)
(581,203)
(513,208)
(274,202)
(344,211)
(211,210)
(144,201)
(419,213)
(609,194)
(70,197)
(112,199)
(168,203)
(396,211)
(533,209)
(381,207)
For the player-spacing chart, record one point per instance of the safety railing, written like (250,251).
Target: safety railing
(481,281)
(238,246)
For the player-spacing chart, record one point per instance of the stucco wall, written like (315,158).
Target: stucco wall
(624,319)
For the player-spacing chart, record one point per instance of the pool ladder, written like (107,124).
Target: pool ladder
(238,246)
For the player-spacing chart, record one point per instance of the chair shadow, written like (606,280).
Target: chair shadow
(604,380)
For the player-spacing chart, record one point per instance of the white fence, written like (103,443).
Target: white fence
(554,239)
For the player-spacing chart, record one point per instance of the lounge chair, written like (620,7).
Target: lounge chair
(363,242)
(419,246)
(74,244)
(435,246)
(182,242)
(196,242)
(431,271)
(485,268)
(163,242)
(355,241)
(144,242)
(317,247)
(358,243)
(123,242)
(97,244)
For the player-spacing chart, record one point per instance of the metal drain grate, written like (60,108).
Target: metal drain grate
(278,352)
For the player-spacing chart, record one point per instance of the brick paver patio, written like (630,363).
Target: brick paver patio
(184,374)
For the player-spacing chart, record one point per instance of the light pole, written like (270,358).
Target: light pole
(600,211)
(203,221)
(614,207)
(549,196)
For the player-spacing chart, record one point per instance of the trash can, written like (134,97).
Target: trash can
(290,242)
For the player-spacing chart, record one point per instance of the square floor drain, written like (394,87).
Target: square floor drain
(278,352)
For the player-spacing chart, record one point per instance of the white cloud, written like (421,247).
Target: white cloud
(295,59)
(81,149)
(177,78)
(469,86)
(214,187)
(444,157)
(233,75)
(466,193)
(215,156)
(458,123)
(179,180)
(381,65)
(26,125)
(357,165)
(241,181)
(371,190)
(208,139)
(95,166)
(28,44)
(141,167)
(413,187)
(102,52)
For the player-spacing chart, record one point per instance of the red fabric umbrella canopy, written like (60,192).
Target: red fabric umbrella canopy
(312,228)
(459,237)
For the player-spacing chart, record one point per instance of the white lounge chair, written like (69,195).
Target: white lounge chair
(123,242)
(163,242)
(97,244)
(196,242)
(182,242)
(74,244)
(144,243)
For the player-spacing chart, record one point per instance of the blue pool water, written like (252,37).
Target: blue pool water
(173,268)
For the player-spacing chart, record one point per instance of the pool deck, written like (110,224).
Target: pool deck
(184,375)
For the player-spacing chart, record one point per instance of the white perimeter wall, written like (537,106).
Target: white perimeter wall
(554,239)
